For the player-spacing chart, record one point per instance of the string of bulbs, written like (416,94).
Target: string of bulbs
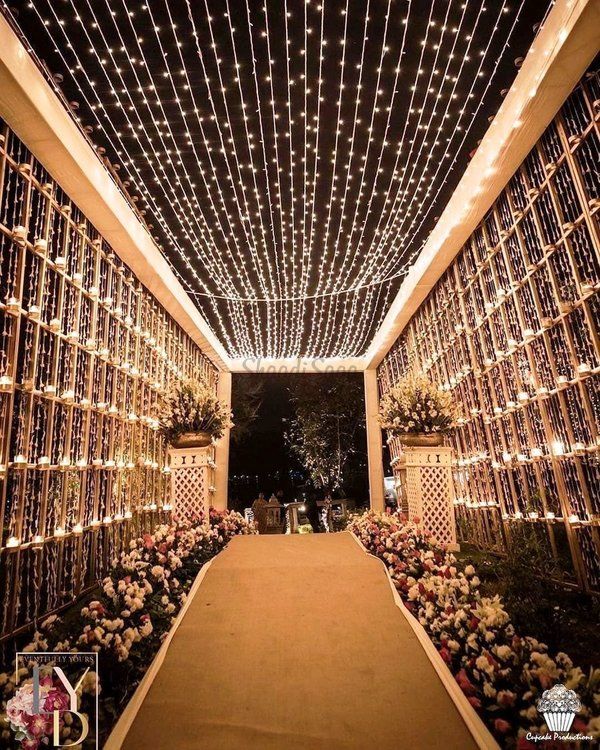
(286,151)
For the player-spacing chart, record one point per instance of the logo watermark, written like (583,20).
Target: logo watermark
(295,365)
(47,708)
(558,706)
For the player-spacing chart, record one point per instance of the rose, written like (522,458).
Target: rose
(20,706)
(20,710)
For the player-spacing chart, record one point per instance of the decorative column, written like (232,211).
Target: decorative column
(374,442)
(192,481)
(222,447)
(430,491)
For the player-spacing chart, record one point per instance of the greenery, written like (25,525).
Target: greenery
(249,399)
(327,433)
(543,604)
(415,405)
(191,406)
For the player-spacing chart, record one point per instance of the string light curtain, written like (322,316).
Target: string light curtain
(512,330)
(84,352)
(292,156)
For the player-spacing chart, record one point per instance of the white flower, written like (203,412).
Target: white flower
(503,652)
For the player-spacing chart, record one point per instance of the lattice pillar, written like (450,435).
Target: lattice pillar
(430,491)
(192,478)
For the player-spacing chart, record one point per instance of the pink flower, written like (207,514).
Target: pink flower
(57,700)
(545,679)
(506,698)
(465,684)
(580,725)
(525,744)
(445,654)
(501,726)
(20,706)
(39,725)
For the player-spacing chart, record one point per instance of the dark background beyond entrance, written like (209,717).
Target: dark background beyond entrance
(262,457)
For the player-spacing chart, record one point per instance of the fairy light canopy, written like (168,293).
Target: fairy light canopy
(290,156)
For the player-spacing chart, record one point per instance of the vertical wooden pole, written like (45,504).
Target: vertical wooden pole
(374,442)
(222,447)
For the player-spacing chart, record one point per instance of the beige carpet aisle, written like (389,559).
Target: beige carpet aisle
(295,642)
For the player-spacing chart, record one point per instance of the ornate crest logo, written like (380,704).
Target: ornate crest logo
(558,706)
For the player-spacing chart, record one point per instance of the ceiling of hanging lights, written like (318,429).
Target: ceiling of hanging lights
(290,156)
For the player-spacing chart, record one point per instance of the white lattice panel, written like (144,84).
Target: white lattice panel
(191,481)
(430,491)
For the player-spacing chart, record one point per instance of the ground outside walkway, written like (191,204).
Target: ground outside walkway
(295,642)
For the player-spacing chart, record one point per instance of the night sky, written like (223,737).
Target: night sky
(262,462)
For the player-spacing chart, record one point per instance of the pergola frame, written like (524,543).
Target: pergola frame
(558,58)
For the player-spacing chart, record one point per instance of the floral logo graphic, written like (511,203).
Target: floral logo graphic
(559,706)
(34,725)
(46,708)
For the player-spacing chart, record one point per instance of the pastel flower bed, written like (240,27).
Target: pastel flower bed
(502,673)
(125,621)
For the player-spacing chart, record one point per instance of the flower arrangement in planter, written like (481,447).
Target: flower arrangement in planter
(191,416)
(125,620)
(503,674)
(417,411)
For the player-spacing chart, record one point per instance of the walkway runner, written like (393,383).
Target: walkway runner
(295,643)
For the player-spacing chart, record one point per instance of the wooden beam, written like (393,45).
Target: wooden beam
(222,447)
(374,441)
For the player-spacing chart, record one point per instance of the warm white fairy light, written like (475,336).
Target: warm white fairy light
(290,229)
(423,204)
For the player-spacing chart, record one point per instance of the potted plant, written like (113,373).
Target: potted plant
(191,416)
(417,412)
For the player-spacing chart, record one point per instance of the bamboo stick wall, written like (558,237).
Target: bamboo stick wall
(84,351)
(512,329)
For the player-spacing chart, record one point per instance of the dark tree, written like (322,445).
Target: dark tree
(249,395)
(268,410)
(327,434)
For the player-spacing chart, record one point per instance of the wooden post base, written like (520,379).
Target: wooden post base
(430,491)
(192,479)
